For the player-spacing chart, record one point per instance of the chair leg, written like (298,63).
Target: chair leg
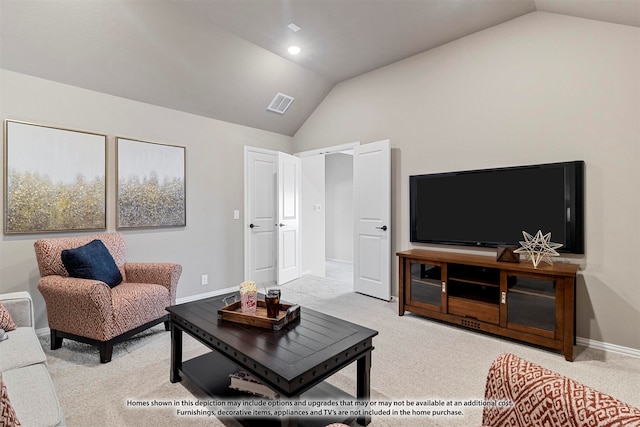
(106,350)
(56,341)
(166,325)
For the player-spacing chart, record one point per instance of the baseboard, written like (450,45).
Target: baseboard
(341,261)
(46,331)
(43,332)
(597,345)
(206,295)
(609,348)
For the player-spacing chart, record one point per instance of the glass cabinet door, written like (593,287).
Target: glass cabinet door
(531,304)
(425,286)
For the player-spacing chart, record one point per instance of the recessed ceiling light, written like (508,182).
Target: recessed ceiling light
(294,50)
(293,27)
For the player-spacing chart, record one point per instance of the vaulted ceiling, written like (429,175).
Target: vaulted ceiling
(227,59)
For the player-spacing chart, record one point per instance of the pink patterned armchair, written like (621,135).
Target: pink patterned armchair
(93,312)
(542,398)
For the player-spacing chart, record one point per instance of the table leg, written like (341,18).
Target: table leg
(364,384)
(176,353)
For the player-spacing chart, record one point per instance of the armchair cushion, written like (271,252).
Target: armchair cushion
(6,322)
(92,261)
(21,349)
(48,251)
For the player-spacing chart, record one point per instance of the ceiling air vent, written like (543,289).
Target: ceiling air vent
(280,103)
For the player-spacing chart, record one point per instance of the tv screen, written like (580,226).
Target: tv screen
(492,207)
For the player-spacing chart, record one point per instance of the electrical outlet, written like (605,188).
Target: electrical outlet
(204,279)
(236,214)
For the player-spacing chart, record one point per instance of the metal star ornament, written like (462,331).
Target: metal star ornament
(538,248)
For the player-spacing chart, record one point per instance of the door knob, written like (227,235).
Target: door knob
(282,225)
(253,226)
(383,228)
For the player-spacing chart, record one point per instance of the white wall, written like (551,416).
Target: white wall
(339,210)
(540,88)
(211,243)
(312,214)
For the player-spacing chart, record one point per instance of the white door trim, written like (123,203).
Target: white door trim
(327,150)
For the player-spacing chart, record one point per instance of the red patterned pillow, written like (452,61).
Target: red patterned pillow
(6,322)
(7,413)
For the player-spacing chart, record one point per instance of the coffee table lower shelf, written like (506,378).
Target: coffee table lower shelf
(210,373)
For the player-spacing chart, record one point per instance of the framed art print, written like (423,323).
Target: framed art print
(55,179)
(151,190)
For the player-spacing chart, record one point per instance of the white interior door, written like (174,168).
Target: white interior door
(261,167)
(289,180)
(372,211)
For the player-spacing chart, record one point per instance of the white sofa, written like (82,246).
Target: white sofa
(24,367)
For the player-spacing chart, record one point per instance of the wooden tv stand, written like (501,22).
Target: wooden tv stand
(514,300)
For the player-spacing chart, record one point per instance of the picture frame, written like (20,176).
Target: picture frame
(54,179)
(151,184)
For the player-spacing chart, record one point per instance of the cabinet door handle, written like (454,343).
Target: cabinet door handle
(444,286)
(504,297)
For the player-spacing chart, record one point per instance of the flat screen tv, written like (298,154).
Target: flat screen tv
(491,207)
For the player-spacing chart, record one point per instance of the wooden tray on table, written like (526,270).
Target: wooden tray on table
(233,313)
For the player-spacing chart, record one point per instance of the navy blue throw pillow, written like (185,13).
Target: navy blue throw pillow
(92,261)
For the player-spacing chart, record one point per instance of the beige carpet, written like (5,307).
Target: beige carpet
(414,359)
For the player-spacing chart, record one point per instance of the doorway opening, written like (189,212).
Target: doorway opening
(339,270)
(339,216)
(366,187)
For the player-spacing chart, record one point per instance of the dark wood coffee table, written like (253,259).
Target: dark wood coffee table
(294,361)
